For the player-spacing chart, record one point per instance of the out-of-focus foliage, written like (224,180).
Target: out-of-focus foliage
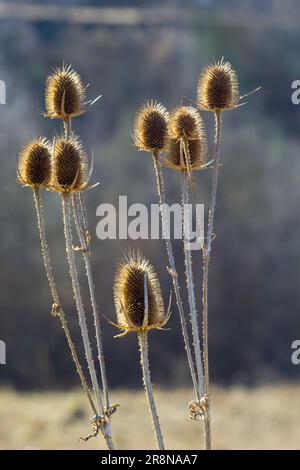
(255,271)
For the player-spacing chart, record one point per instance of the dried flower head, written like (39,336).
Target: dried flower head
(136,281)
(70,169)
(151,127)
(64,94)
(34,163)
(176,158)
(218,87)
(185,122)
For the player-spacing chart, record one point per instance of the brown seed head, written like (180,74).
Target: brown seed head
(151,127)
(218,87)
(34,163)
(70,172)
(185,121)
(64,94)
(197,155)
(129,295)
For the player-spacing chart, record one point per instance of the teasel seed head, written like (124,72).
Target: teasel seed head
(64,94)
(218,87)
(151,127)
(197,155)
(34,163)
(70,168)
(185,122)
(132,276)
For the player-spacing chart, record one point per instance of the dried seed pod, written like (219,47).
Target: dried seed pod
(70,171)
(129,295)
(185,122)
(151,127)
(197,155)
(34,163)
(64,94)
(218,87)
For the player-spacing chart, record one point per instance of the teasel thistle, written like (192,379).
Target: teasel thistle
(65,95)
(217,92)
(151,135)
(65,98)
(187,152)
(140,308)
(71,175)
(34,170)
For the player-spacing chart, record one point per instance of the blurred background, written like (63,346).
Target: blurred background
(130,52)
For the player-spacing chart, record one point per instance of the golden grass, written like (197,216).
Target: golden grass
(263,418)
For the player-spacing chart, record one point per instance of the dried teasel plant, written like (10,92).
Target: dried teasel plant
(147,124)
(217,92)
(34,170)
(187,152)
(140,308)
(65,99)
(70,175)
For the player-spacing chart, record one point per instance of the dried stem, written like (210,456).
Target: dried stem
(143,343)
(190,283)
(206,260)
(57,309)
(162,201)
(82,231)
(82,320)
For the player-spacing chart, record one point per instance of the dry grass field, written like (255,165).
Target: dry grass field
(262,418)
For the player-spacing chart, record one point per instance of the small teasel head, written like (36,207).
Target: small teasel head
(151,127)
(187,146)
(185,122)
(218,87)
(70,168)
(176,158)
(64,94)
(34,163)
(137,295)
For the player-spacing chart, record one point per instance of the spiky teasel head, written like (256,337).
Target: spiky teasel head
(34,163)
(70,168)
(176,158)
(151,127)
(185,122)
(218,87)
(64,94)
(137,295)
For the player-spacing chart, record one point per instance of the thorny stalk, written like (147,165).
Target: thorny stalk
(206,260)
(173,272)
(190,282)
(56,308)
(105,427)
(83,235)
(143,343)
